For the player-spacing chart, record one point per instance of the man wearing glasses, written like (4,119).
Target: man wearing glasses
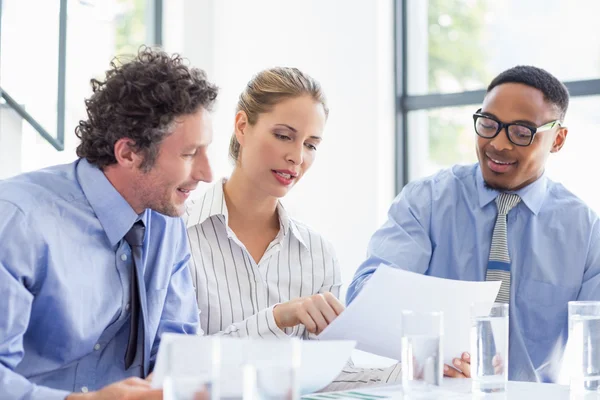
(503,219)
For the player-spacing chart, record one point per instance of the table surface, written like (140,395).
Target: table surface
(460,389)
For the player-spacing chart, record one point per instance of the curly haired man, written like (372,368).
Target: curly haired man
(93,256)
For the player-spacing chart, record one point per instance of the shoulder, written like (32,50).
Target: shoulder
(443,186)
(42,189)
(561,203)
(209,202)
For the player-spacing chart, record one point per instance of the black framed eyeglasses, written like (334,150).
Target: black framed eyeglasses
(518,133)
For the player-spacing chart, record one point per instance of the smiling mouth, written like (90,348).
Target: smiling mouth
(502,162)
(184,191)
(286,176)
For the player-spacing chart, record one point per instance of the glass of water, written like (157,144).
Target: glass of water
(193,368)
(489,347)
(422,367)
(584,343)
(273,375)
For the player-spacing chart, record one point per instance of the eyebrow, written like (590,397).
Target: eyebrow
(291,128)
(519,121)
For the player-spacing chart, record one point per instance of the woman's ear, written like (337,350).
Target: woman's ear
(241,123)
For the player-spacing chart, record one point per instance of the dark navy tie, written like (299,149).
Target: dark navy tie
(135,239)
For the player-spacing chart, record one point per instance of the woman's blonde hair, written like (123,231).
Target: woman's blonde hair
(268,88)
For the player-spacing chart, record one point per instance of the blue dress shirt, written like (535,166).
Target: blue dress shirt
(65,283)
(442,226)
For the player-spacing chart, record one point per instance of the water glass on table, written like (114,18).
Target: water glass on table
(193,372)
(273,375)
(489,347)
(422,366)
(584,343)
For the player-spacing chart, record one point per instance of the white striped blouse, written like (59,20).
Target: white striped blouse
(236,295)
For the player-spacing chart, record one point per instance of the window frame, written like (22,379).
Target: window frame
(406,103)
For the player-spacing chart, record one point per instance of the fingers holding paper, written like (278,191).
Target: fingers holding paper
(315,312)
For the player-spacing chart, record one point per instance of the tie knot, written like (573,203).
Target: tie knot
(135,236)
(507,202)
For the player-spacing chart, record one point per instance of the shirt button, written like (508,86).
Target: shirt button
(124,257)
(97,346)
(84,389)
(127,306)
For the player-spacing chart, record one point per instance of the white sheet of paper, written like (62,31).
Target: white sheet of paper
(321,362)
(374,318)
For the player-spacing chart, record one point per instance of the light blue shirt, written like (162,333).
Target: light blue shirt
(442,226)
(64,283)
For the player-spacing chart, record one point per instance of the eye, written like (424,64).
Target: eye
(282,137)
(311,146)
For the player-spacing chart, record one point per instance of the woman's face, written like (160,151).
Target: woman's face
(281,146)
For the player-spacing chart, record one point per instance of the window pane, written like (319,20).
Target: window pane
(97,30)
(442,137)
(457,45)
(29,60)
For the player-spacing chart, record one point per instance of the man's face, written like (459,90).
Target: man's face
(181,163)
(506,166)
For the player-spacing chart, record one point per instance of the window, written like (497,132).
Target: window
(96,31)
(449,50)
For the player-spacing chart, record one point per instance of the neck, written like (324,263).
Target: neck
(123,185)
(247,205)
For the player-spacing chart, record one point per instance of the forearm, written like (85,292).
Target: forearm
(260,325)
(15,386)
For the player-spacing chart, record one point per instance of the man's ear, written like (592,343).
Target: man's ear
(559,140)
(126,155)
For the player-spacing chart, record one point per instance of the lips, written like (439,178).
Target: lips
(284,177)
(499,164)
(185,192)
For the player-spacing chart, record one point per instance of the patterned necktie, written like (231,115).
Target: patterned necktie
(499,261)
(135,239)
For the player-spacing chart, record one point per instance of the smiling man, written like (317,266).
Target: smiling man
(93,257)
(503,219)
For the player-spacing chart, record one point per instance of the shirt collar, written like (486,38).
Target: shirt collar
(213,203)
(114,212)
(532,195)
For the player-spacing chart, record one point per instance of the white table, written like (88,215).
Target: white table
(461,389)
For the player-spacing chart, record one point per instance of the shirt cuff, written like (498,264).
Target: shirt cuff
(269,327)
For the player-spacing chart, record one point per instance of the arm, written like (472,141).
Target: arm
(315,311)
(403,241)
(18,257)
(180,312)
(590,287)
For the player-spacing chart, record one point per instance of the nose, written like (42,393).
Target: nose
(296,154)
(202,171)
(501,142)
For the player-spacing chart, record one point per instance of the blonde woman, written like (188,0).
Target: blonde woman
(258,272)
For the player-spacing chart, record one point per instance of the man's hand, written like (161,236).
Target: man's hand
(129,389)
(463,365)
(314,312)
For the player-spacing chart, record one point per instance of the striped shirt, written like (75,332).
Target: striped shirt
(236,295)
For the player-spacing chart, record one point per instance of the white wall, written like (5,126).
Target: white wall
(348,47)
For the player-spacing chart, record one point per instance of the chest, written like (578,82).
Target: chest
(257,241)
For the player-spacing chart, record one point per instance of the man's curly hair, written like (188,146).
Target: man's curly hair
(140,100)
